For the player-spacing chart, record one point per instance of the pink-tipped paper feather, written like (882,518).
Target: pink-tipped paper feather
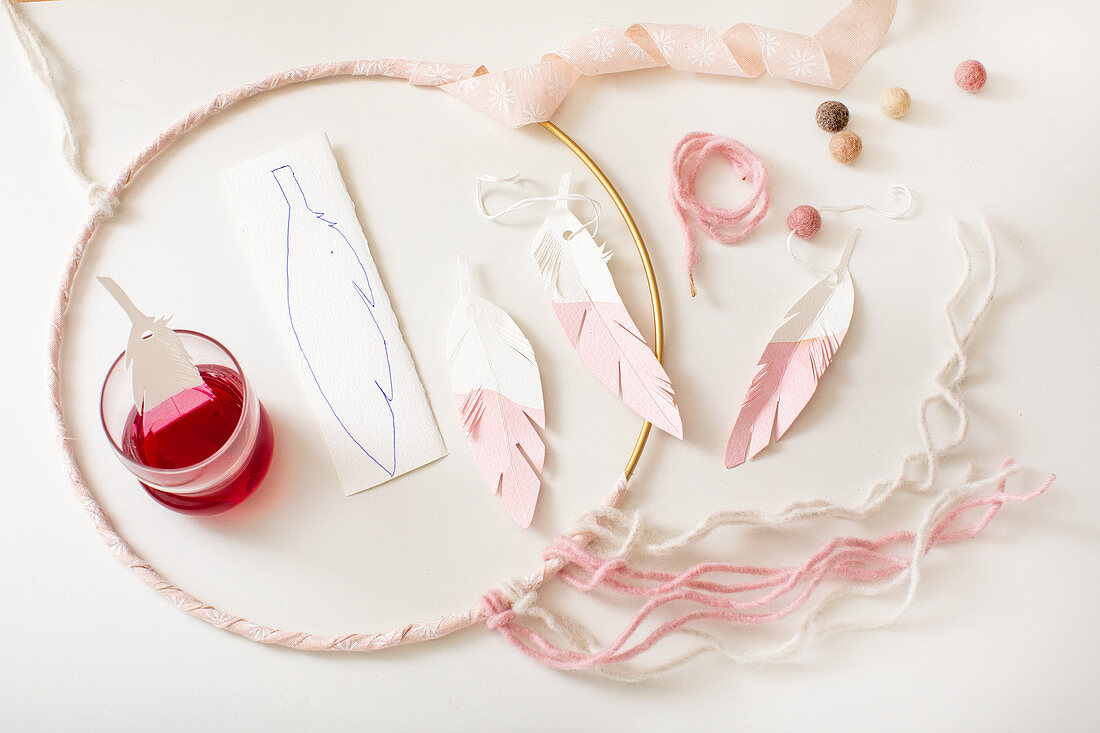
(610,345)
(499,394)
(792,364)
(595,320)
(507,449)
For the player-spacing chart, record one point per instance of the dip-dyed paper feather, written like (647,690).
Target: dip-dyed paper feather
(166,383)
(499,393)
(574,269)
(792,364)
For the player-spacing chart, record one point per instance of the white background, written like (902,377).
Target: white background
(1003,632)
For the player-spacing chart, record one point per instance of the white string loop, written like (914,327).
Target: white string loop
(817,271)
(527,202)
(896,191)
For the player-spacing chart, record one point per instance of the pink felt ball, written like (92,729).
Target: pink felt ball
(804,221)
(970,75)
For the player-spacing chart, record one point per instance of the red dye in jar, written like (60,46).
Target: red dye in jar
(195,425)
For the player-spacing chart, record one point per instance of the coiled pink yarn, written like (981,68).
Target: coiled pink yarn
(728,226)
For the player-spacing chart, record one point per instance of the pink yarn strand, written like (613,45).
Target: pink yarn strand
(843,558)
(728,226)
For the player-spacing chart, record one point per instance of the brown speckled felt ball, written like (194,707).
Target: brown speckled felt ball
(832,116)
(845,146)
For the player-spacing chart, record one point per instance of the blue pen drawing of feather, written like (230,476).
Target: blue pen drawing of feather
(341,282)
(332,307)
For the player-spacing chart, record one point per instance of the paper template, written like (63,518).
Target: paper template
(300,225)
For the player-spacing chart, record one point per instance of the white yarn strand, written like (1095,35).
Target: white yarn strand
(39,58)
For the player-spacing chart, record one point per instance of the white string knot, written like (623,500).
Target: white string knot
(519,597)
(41,62)
(102,200)
(615,497)
(593,222)
(524,602)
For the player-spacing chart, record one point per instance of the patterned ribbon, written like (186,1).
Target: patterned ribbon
(532,93)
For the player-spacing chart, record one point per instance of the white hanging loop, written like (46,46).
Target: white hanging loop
(896,191)
(820,271)
(594,222)
(815,270)
(41,63)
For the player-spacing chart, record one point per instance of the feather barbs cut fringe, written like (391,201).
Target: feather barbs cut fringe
(573,267)
(506,447)
(610,345)
(498,392)
(793,362)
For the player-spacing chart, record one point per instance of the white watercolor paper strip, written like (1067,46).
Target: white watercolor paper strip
(300,224)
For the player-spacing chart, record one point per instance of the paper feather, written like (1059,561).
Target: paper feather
(792,364)
(574,268)
(165,382)
(497,386)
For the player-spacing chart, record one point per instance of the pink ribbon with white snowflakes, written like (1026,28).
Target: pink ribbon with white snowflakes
(532,93)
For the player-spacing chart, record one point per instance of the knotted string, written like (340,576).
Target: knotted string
(40,59)
(594,222)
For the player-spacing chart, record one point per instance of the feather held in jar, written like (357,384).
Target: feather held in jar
(574,268)
(498,390)
(793,363)
(166,384)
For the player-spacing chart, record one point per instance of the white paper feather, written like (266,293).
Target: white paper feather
(793,362)
(574,268)
(160,366)
(498,390)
